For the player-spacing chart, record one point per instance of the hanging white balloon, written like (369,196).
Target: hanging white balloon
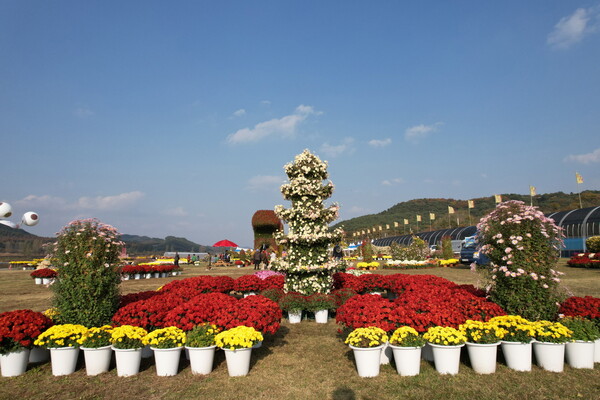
(30,218)
(5,210)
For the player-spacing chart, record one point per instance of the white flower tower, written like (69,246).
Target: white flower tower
(307,266)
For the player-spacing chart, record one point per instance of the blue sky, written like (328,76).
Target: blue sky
(176,118)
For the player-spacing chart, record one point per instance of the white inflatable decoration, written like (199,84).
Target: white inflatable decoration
(30,218)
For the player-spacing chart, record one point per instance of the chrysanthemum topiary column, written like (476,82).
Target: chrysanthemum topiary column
(307,267)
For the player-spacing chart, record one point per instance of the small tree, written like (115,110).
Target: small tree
(523,247)
(447,251)
(87,289)
(367,251)
(593,244)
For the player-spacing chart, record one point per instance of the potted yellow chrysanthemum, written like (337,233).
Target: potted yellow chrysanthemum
(406,344)
(237,343)
(64,342)
(516,343)
(483,339)
(446,343)
(367,344)
(127,342)
(166,343)
(96,349)
(549,345)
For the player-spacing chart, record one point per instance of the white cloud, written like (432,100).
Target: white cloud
(261,182)
(418,132)
(390,182)
(380,143)
(239,113)
(573,28)
(119,201)
(336,150)
(282,127)
(44,201)
(588,158)
(83,112)
(176,212)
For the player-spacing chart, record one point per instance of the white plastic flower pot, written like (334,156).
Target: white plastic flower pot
(201,359)
(407,360)
(238,361)
(295,317)
(167,361)
(97,360)
(368,360)
(580,354)
(517,355)
(321,316)
(14,363)
(64,360)
(550,356)
(386,354)
(483,357)
(597,351)
(446,358)
(128,361)
(39,354)
(38,281)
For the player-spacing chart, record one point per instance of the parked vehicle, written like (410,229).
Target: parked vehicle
(469,252)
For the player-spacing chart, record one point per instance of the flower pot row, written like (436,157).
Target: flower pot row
(149,275)
(321,316)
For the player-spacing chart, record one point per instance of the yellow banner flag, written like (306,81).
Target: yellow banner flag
(450,210)
(405,221)
(418,218)
(578,177)
(498,198)
(380,228)
(363,232)
(368,231)
(471,203)
(395,224)
(532,191)
(387,227)
(431,216)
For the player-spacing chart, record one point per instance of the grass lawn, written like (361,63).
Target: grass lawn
(302,361)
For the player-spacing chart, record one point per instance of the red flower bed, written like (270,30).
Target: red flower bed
(44,273)
(184,303)
(19,328)
(258,312)
(191,287)
(341,296)
(133,297)
(149,313)
(248,283)
(274,282)
(585,260)
(587,307)
(423,301)
(130,269)
(200,309)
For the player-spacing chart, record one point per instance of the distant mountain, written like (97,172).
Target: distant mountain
(146,245)
(18,241)
(549,202)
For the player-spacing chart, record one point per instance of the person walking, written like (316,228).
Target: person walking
(176,260)
(256,258)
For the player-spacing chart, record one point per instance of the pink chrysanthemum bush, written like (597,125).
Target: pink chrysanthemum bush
(523,247)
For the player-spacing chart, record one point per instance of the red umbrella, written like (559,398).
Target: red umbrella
(224,243)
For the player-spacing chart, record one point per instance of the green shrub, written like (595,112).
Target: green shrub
(593,244)
(522,245)
(86,290)
(447,251)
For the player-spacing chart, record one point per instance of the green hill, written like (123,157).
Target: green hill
(549,202)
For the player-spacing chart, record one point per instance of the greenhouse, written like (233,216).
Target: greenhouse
(578,225)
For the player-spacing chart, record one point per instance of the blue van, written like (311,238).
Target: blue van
(469,252)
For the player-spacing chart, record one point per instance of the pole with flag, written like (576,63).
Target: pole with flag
(418,220)
(431,218)
(450,211)
(405,223)
(532,193)
(470,204)
(579,180)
